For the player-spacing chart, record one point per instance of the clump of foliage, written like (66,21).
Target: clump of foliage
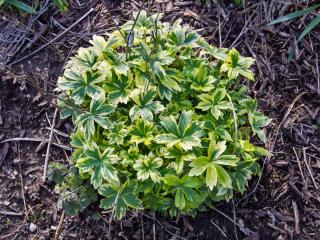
(162,121)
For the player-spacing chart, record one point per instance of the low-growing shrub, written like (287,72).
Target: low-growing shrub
(162,121)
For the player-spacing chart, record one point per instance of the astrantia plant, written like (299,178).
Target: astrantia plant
(161,119)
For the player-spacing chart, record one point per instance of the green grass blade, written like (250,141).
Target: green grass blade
(309,28)
(22,6)
(62,5)
(1,2)
(294,15)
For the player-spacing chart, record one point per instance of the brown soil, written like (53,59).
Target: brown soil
(283,204)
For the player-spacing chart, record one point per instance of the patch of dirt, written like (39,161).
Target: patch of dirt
(283,204)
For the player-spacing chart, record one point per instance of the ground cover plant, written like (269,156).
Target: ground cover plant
(162,121)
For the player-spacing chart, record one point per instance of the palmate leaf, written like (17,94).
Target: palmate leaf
(119,198)
(257,121)
(236,65)
(180,157)
(184,189)
(185,134)
(82,85)
(142,132)
(181,37)
(211,164)
(242,174)
(147,167)
(214,102)
(100,45)
(100,164)
(99,112)
(219,53)
(129,156)
(116,133)
(116,62)
(145,106)
(84,60)
(119,89)
(201,81)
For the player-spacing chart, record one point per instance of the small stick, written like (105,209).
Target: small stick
(299,165)
(221,231)
(54,39)
(49,146)
(56,235)
(154,226)
(22,185)
(36,140)
(10,213)
(296,217)
(229,218)
(308,167)
(286,115)
(142,226)
(234,220)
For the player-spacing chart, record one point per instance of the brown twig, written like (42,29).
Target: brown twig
(296,217)
(299,165)
(49,146)
(10,213)
(229,218)
(54,39)
(57,233)
(28,139)
(221,231)
(21,181)
(308,168)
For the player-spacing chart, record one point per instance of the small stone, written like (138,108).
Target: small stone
(15,161)
(32,227)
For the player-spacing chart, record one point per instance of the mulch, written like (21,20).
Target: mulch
(283,204)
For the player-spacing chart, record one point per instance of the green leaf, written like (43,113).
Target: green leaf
(257,121)
(82,85)
(119,198)
(147,166)
(294,15)
(224,177)
(212,176)
(62,5)
(128,157)
(142,132)
(214,102)
(21,6)
(145,106)
(180,201)
(100,164)
(236,65)
(315,22)
(186,134)
(119,89)
(99,112)
(219,53)
(116,133)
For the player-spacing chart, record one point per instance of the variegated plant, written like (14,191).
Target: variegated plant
(161,119)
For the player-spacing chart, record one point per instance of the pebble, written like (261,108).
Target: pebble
(32,227)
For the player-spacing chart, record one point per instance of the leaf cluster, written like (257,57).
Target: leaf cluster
(162,121)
